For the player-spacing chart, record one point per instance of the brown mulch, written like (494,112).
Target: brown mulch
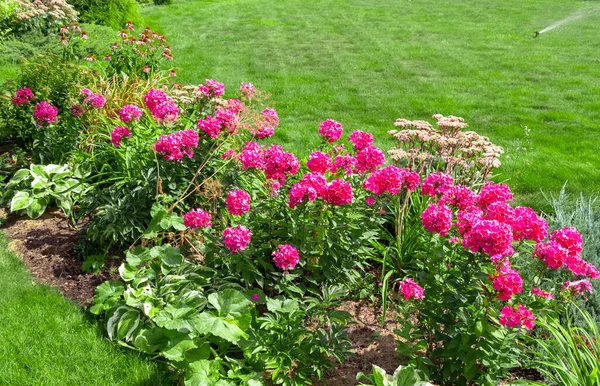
(47,247)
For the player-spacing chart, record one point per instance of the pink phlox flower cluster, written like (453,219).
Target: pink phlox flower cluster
(330,130)
(263,132)
(459,196)
(391,179)
(270,117)
(465,218)
(437,219)
(527,225)
(174,146)
(266,128)
(230,154)
(87,93)
(492,192)
(236,105)
(161,106)
(347,163)
(77,110)
(252,157)
(23,95)
(278,163)
(210,125)
(436,184)
(228,119)
(286,257)
(361,139)
(45,114)
(339,192)
(237,239)
(489,236)
(118,133)
(507,282)
(197,218)
(154,97)
(238,202)
(541,293)
(368,159)
(212,89)
(247,90)
(578,287)
(130,112)
(551,253)
(319,162)
(500,211)
(311,186)
(411,290)
(370,200)
(517,317)
(96,101)
(568,238)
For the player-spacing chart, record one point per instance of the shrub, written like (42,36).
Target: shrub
(162,2)
(112,13)
(42,15)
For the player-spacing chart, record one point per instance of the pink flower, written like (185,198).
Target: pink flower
(391,179)
(331,130)
(578,287)
(319,162)
(436,184)
(437,219)
(45,114)
(87,93)
(263,132)
(130,113)
(301,192)
(167,111)
(361,139)
(197,218)
(346,163)
(570,239)
(370,200)
(238,202)
(339,192)
(118,133)
(517,317)
(270,117)
(542,293)
(247,90)
(508,282)
(465,218)
(210,125)
(174,146)
(236,105)
(528,226)
(410,289)
(255,297)
(228,119)
(492,192)
(23,95)
(236,239)
(252,156)
(96,100)
(500,211)
(154,97)
(551,253)
(459,196)
(489,236)
(368,159)
(279,163)
(286,257)
(212,89)
(592,271)
(77,110)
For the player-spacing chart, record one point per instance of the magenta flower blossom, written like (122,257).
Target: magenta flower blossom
(465,218)
(459,196)
(370,200)
(154,97)
(437,219)
(286,257)
(492,192)
(237,239)
(238,202)
(210,125)
(391,179)
(517,317)
(96,101)
(270,117)
(500,211)
(489,236)
(411,290)
(212,89)
(166,111)
(279,163)
(551,253)
(228,119)
(252,156)
(263,131)
(527,225)
(361,139)
(247,90)
(174,146)
(436,184)
(507,282)
(346,163)
(570,239)
(331,130)
(77,110)
(130,113)
(45,114)
(339,192)
(368,159)
(87,93)
(197,218)
(578,287)
(301,192)
(236,105)
(319,162)
(541,293)
(118,133)
(255,297)
(23,95)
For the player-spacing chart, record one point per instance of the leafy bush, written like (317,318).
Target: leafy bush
(162,2)
(112,13)
(42,15)
(403,376)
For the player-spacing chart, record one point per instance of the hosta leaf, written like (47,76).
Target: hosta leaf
(113,321)
(37,207)
(107,295)
(20,201)
(206,323)
(38,171)
(127,272)
(20,175)
(150,340)
(178,351)
(128,323)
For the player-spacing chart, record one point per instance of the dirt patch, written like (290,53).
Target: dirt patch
(47,246)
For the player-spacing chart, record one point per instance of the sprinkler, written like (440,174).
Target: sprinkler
(537,33)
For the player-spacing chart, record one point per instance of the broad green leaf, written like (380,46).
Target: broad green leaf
(113,321)
(107,295)
(173,221)
(177,352)
(54,169)
(65,204)
(202,373)
(206,323)
(174,318)
(379,376)
(169,255)
(232,304)
(37,207)
(137,256)
(40,183)
(38,171)
(20,175)
(128,323)
(127,272)
(150,340)
(20,201)
(286,306)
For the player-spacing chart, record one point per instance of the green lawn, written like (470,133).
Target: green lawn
(367,62)
(48,341)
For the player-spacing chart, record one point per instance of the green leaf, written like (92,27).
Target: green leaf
(286,306)
(37,207)
(127,272)
(206,323)
(172,221)
(20,201)
(65,204)
(107,295)
(232,304)
(37,171)
(128,323)
(150,340)
(20,175)
(202,373)
(137,256)
(175,318)
(55,169)
(379,376)
(177,352)
(169,255)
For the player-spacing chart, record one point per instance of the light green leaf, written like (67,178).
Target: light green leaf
(202,373)
(20,201)
(169,255)
(178,351)
(107,295)
(137,256)
(233,305)
(128,323)
(20,175)
(286,306)
(206,323)
(37,207)
(38,171)
(127,272)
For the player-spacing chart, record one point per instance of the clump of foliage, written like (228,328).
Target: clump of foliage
(112,13)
